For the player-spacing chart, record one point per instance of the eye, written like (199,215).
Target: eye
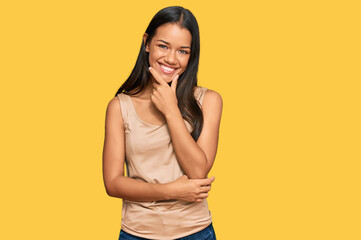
(184,52)
(163,46)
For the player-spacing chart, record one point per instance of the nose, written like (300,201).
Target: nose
(170,58)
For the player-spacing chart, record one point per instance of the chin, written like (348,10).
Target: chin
(167,78)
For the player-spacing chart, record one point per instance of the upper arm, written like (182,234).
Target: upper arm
(208,140)
(113,150)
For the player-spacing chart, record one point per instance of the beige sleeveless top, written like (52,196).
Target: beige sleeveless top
(149,156)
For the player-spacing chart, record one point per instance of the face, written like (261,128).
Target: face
(169,50)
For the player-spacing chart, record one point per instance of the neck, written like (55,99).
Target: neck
(147,91)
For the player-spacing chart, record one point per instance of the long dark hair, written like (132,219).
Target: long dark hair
(140,75)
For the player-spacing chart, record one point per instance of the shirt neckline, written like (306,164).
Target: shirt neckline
(139,119)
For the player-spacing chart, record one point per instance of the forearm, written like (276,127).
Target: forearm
(136,190)
(190,156)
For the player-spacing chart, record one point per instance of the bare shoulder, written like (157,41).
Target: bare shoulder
(212,107)
(113,104)
(212,99)
(113,109)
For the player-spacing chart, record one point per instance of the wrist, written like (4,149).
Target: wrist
(168,191)
(172,113)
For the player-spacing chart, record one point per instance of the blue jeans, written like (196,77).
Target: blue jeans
(205,234)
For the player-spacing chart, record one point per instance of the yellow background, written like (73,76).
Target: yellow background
(288,162)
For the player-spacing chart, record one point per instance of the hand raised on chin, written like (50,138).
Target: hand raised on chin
(164,96)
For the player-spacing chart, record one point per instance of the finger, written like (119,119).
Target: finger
(205,189)
(156,76)
(155,85)
(203,195)
(207,181)
(212,179)
(154,95)
(174,83)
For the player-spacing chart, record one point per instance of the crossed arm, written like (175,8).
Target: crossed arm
(196,158)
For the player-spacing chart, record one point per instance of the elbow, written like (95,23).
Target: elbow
(203,174)
(110,188)
(113,188)
(200,176)
(198,173)
(202,171)
(109,191)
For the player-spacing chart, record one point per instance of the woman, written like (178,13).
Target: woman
(165,129)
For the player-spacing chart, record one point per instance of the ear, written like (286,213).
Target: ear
(145,36)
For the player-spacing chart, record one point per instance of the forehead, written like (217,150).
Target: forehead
(174,34)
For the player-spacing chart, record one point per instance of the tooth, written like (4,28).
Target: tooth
(167,68)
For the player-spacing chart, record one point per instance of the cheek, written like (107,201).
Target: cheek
(185,62)
(186,58)
(153,53)
(156,51)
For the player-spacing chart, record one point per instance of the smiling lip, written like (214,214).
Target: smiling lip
(166,71)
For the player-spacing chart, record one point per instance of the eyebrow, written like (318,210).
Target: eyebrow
(169,44)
